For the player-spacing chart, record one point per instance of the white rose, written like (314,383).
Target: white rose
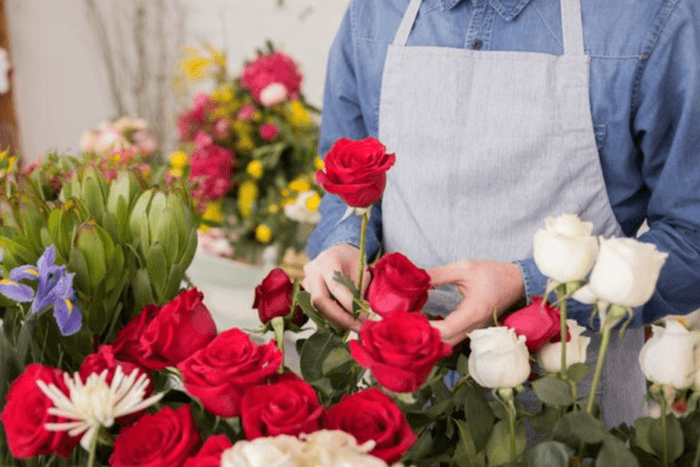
(626,271)
(334,448)
(565,250)
(280,451)
(298,211)
(499,358)
(550,355)
(87,141)
(125,124)
(272,94)
(670,356)
(108,140)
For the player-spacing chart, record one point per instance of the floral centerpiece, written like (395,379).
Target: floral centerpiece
(250,148)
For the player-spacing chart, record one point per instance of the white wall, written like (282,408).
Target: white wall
(60,85)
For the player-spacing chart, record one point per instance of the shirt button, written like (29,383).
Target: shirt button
(476,44)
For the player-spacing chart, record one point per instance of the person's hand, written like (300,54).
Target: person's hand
(329,296)
(485,286)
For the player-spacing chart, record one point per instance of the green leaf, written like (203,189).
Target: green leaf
(575,427)
(498,445)
(78,264)
(143,292)
(614,453)
(89,240)
(91,194)
(578,371)
(544,421)
(172,286)
(550,454)
(479,414)
(336,358)
(463,365)
(157,270)
(642,429)
(465,453)
(553,391)
(315,351)
(674,437)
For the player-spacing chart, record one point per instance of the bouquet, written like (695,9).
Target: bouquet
(249,149)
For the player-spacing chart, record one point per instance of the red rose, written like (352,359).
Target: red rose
(126,346)
(537,322)
(273,68)
(400,350)
(180,328)
(274,296)
(104,359)
(26,412)
(356,171)
(166,438)
(210,454)
(397,285)
(372,415)
(220,373)
(286,407)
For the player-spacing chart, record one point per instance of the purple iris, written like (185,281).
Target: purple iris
(54,288)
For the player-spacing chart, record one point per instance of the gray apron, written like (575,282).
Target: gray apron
(488,144)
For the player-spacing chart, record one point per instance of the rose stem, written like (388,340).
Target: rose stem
(664,454)
(361,265)
(600,363)
(561,297)
(511,425)
(696,461)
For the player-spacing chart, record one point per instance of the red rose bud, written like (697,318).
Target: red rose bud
(372,415)
(220,373)
(126,346)
(356,171)
(539,323)
(400,350)
(274,296)
(166,438)
(397,285)
(288,406)
(210,454)
(178,330)
(26,412)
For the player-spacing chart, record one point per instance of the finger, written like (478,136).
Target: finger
(339,291)
(446,274)
(324,303)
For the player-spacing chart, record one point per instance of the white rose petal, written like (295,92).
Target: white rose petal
(550,355)
(280,451)
(272,94)
(298,211)
(670,356)
(626,271)
(565,250)
(499,358)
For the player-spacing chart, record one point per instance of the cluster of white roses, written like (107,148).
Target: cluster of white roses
(323,448)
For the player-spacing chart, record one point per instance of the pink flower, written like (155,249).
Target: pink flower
(246,112)
(145,143)
(273,68)
(222,128)
(190,122)
(211,168)
(269,131)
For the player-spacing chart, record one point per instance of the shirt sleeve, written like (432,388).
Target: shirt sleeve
(342,117)
(666,131)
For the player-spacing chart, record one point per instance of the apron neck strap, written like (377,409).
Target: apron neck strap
(572,25)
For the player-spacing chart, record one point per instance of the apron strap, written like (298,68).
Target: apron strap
(572,27)
(409,18)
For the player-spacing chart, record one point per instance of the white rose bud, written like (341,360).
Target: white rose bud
(272,94)
(669,357)
(550,354)
(626,271)
(565,250)
(499,358)
(263,452)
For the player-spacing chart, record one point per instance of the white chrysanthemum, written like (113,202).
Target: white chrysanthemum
(95,403)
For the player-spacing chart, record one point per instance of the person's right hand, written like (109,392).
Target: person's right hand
(329,296)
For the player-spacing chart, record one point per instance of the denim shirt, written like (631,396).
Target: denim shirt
(645,105)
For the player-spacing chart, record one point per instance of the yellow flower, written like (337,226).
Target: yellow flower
(11,163)
(263,234)
(273,209)
(297,115)
(299,185)
(177,173)
(247,195)
(313,202)
(178,160)
(223,94)
(217,56)
(287,200)
(255,169)
(214,211)
(195,66)
(318,164)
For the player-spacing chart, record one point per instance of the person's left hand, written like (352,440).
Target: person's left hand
(485,286)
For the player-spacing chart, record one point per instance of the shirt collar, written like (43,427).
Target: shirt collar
(507,9)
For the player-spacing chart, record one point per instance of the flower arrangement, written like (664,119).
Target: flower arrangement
(249,148)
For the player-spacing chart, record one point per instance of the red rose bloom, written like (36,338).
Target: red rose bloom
(178,330)
(539,323)
(126,346)
(288,406)
(273,298)
(104,359)
(400,350)
(166,438)
(210,454)
(220,373)
(397,285)
(26,412)
(372,415)
(273,68)
(356,171)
